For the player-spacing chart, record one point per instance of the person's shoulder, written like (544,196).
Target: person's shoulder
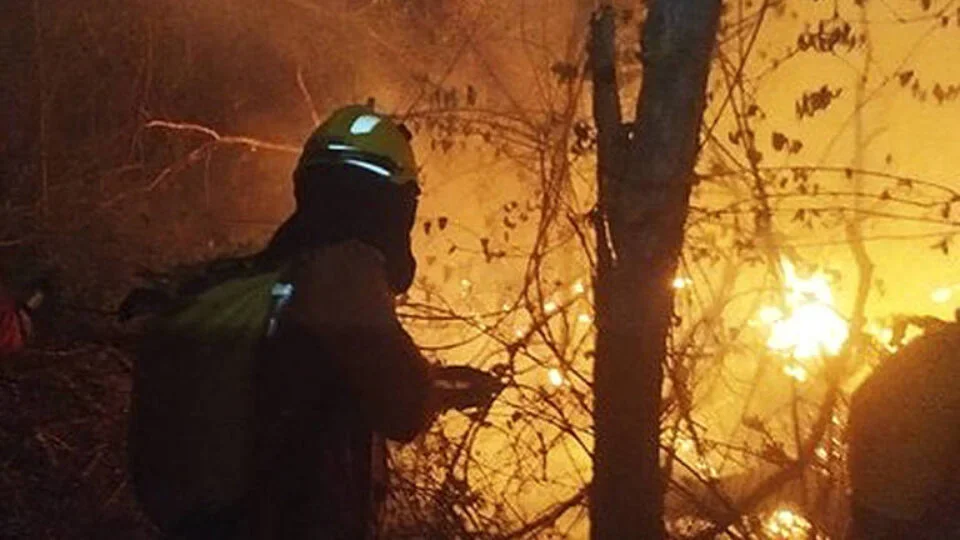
(350,252)
(346,265)
(344,283)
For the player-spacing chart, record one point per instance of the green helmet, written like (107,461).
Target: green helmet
(357,135)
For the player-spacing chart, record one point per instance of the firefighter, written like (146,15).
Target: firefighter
(337,373)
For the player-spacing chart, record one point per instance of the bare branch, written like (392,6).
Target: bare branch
(200,153)
(307,97)
(251,142)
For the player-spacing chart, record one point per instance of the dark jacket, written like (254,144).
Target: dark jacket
(338,370)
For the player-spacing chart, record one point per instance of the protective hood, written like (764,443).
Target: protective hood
(338,202)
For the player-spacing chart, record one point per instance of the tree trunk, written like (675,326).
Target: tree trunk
(645,175)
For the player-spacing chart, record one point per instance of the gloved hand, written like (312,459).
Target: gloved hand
(462,388)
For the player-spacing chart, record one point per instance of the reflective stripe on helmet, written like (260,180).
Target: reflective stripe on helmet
(369,166)
(336,147)
(358,136)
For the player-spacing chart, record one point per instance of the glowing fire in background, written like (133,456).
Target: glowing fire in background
(945,294)
(681,282)
(808,326)
(942,295)
(555,377)
(785,524)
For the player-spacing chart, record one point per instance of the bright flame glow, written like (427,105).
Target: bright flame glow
(883,335)
(680,282)
(706,468)
(942,295)
(796,372)
(769,315)
(556,378)
(810,327)
(911,334)
(585,319)
(785,524)
(578,288)
(685,444)
(550,307)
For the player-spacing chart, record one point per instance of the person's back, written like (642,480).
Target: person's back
(338,369)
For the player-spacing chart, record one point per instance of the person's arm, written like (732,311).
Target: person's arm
(341,296)
(389,377)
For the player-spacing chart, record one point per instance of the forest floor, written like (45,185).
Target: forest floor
(63,415)
(64,402)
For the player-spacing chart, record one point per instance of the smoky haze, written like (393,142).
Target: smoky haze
(494,92)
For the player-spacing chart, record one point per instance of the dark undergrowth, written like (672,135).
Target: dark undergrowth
(63,413)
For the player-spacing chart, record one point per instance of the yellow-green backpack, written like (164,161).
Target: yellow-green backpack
(190,434)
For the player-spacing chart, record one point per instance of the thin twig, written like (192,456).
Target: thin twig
(201,152)
(252,142)
(307,97)
(550,516)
